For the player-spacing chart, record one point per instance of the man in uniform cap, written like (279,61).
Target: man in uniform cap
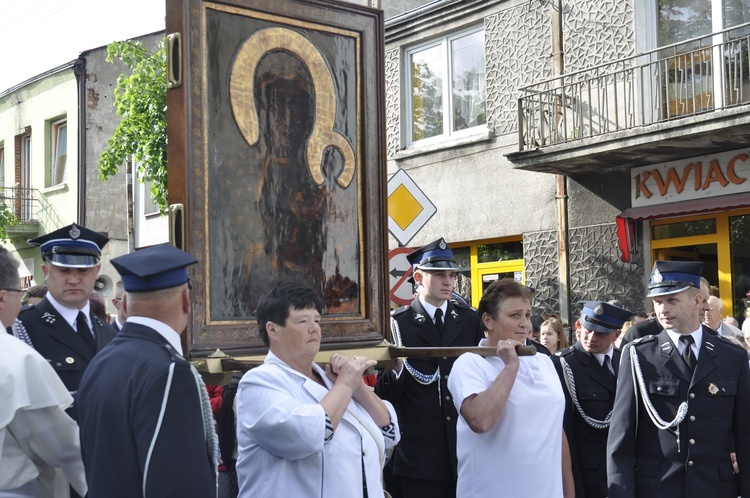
(424,462)
(588,372)
(682,402)
(652,325)
(146,422)
(61,326)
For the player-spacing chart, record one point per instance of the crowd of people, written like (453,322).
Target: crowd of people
(637,406)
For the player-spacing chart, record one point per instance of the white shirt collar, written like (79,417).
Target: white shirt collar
(600,356)
(430,309)
(70,315)
(172,336)
(697,337)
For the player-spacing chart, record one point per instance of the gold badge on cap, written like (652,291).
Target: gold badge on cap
(599,310)
(657,277)
(74,232)
(69,360)
(712,389)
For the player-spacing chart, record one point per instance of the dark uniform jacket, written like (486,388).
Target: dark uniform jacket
(645,461)
(427,416)
(141,421)
(61,345)
(641,329)
(595,390)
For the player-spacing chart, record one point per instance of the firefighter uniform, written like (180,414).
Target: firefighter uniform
(677,419)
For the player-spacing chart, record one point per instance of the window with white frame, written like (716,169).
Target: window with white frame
(2,164)
(59,149)
(446,85)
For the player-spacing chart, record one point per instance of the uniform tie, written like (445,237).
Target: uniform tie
(607,365)
(439,320)
(687,352)
(82,327)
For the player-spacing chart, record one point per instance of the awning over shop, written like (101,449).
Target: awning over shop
(626,220)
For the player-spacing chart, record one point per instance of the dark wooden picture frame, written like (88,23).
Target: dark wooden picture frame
(276,151)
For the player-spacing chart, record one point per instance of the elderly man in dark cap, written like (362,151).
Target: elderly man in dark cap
(588,372)
(146,422)
(682,402)
(61,326)
(425,459)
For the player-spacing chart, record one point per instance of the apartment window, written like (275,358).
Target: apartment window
(447,86)
(2,164)
(59,140)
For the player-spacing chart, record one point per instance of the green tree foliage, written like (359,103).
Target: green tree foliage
(141,101)
(7,219)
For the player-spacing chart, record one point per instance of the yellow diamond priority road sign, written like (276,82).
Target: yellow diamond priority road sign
(409,209)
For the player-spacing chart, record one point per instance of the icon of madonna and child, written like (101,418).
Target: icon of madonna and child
(284,199)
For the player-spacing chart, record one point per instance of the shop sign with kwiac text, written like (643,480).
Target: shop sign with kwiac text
(723,173)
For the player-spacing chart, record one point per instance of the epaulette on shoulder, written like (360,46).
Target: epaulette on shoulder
(176,356)
(643,340)
(462,305)
(566,351)
(727,340)
(400,310)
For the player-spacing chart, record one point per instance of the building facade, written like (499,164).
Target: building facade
(568,144)
(53,129)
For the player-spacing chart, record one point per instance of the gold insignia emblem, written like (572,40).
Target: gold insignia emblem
(69,360)
(712,389)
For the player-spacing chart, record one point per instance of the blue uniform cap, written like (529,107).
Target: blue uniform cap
(601,316)
(155,268)
(73,246)
(434,256)
(671,277)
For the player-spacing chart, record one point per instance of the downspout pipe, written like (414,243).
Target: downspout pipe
(79,69)
(561,188)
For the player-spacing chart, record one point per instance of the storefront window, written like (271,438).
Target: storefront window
(503,251)
(739,244)
(683,229)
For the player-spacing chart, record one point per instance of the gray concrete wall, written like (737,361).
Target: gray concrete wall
(106,201)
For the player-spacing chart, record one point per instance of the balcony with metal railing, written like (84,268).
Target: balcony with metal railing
(640,109)
(25,210)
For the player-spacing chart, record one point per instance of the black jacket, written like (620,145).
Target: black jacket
(595,390)
(427,416)
(56,340)
(647,462)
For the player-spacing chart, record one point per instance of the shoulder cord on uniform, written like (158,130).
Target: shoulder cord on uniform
(635,368)
(418,376)
(209,427)
(19,330)
(571,385)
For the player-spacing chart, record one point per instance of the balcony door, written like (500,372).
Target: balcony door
(696,71)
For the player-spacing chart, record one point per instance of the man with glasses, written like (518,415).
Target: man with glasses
(36,435)
(119,320)
(61,326)
(712,317)
(425,460)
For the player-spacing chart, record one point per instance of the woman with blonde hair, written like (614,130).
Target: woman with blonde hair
(552,335)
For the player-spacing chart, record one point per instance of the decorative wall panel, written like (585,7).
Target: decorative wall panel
(597,31)
(518,53)
(596,272)
(392,101)
(540,259)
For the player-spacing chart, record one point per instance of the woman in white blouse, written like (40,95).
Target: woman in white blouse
(302,430)
(511,408)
